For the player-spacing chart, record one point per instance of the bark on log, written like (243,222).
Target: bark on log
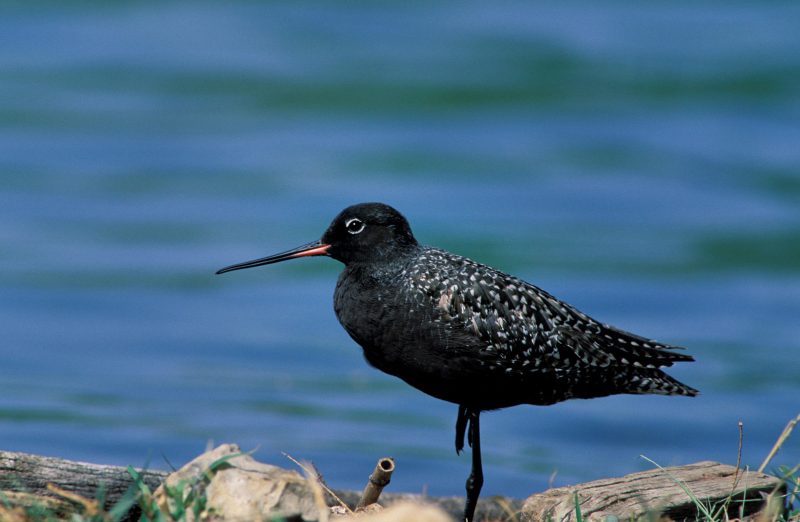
(31,474)
(24,478)
(640,495)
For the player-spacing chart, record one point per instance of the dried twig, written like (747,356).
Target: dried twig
(552,479)
(508,509)
(778,443)
(312,473)
(91,506)
(316,491)
(738,456)
(12,513)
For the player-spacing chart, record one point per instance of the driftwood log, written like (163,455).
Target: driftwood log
(661,492)
(24,479)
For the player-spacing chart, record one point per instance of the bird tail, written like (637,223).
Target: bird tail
(659,383)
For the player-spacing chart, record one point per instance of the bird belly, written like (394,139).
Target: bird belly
(452,381)
(427,362)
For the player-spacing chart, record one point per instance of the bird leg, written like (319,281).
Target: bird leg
(470,433)
(461,427)
(475,480)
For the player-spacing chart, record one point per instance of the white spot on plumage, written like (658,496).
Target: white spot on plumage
(475,327)
(444,301)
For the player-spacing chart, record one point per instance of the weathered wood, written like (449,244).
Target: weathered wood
(628,497)
(640,495)
(24,479)
(30,474)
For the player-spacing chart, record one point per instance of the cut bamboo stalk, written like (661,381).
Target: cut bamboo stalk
(377,481)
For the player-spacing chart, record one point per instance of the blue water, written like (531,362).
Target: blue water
(639,160)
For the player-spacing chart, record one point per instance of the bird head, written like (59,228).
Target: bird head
(363,233)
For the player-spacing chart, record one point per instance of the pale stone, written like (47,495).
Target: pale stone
(241,488)
(400,512)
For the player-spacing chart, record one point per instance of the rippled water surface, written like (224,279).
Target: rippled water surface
(640,161)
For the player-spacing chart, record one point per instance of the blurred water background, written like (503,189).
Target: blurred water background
(640,160)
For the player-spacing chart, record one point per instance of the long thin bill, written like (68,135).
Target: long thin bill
(315,248)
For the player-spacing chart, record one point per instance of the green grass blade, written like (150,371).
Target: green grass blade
(696,501)
(578,515)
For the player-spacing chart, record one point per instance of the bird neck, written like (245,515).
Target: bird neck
(378,270)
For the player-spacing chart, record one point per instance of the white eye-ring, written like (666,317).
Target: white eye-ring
(354,225)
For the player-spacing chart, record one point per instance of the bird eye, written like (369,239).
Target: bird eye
(354,225)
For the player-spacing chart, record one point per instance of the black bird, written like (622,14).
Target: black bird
(466,333)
